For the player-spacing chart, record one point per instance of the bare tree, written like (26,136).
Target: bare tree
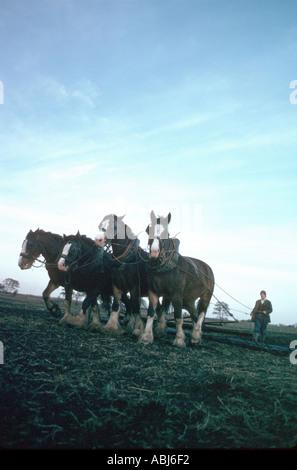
(221,310)
(77,295)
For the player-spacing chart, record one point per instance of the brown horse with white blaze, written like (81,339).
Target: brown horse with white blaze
(182,279)
(48,245)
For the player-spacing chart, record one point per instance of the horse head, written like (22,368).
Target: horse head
(112,227)
(31,249)
(157,232)
(70,253)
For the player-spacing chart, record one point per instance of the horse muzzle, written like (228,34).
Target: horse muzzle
(155,249)
(61,265)
(24,263)
(154,253)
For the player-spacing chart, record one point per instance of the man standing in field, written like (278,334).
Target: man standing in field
(261,316)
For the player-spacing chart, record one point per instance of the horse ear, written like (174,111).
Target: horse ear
(147,229)
(121,217)
(169,217)
(153,217)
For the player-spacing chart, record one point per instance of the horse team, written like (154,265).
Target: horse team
(124,273)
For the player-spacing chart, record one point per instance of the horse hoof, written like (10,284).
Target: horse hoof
(160,333)
(81,326)
(146,340)
(55,310)
(95,327)
(179,343)
(63,320)
(75,321)
(112,330)
(137,333)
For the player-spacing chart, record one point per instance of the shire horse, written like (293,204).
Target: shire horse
(48,245)
(87,266)
(128,261)
(182,279)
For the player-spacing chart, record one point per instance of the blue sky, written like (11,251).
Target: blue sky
(174,105)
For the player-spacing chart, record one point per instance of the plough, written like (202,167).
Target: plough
(223,335)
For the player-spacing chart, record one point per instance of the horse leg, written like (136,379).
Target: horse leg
(128,314)
(96,324)
(81,320)
(113,325)
(148,336)
(197,323)
(189,305)
(51,306)
(137,323)
(160,328)
(68,300)
(180,335)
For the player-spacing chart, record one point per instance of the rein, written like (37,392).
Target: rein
(167,259)
(164,262)
(39,261)
(117,258)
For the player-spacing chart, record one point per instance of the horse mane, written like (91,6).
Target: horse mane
(78,236)
(43,232)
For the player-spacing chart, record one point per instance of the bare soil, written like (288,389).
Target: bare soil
(64,388)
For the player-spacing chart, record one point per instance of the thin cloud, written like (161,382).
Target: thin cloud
(83,92)
(188,122)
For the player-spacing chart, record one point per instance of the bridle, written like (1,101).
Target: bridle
(30,256)
(167,257)
(78,256)
(32,249)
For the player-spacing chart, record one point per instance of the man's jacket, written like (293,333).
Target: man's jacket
(260,308)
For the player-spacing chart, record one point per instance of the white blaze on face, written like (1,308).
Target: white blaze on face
(23,263)
(100,239)
(61,262)
(155,248)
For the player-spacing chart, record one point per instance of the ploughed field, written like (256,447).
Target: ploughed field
(67,388)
